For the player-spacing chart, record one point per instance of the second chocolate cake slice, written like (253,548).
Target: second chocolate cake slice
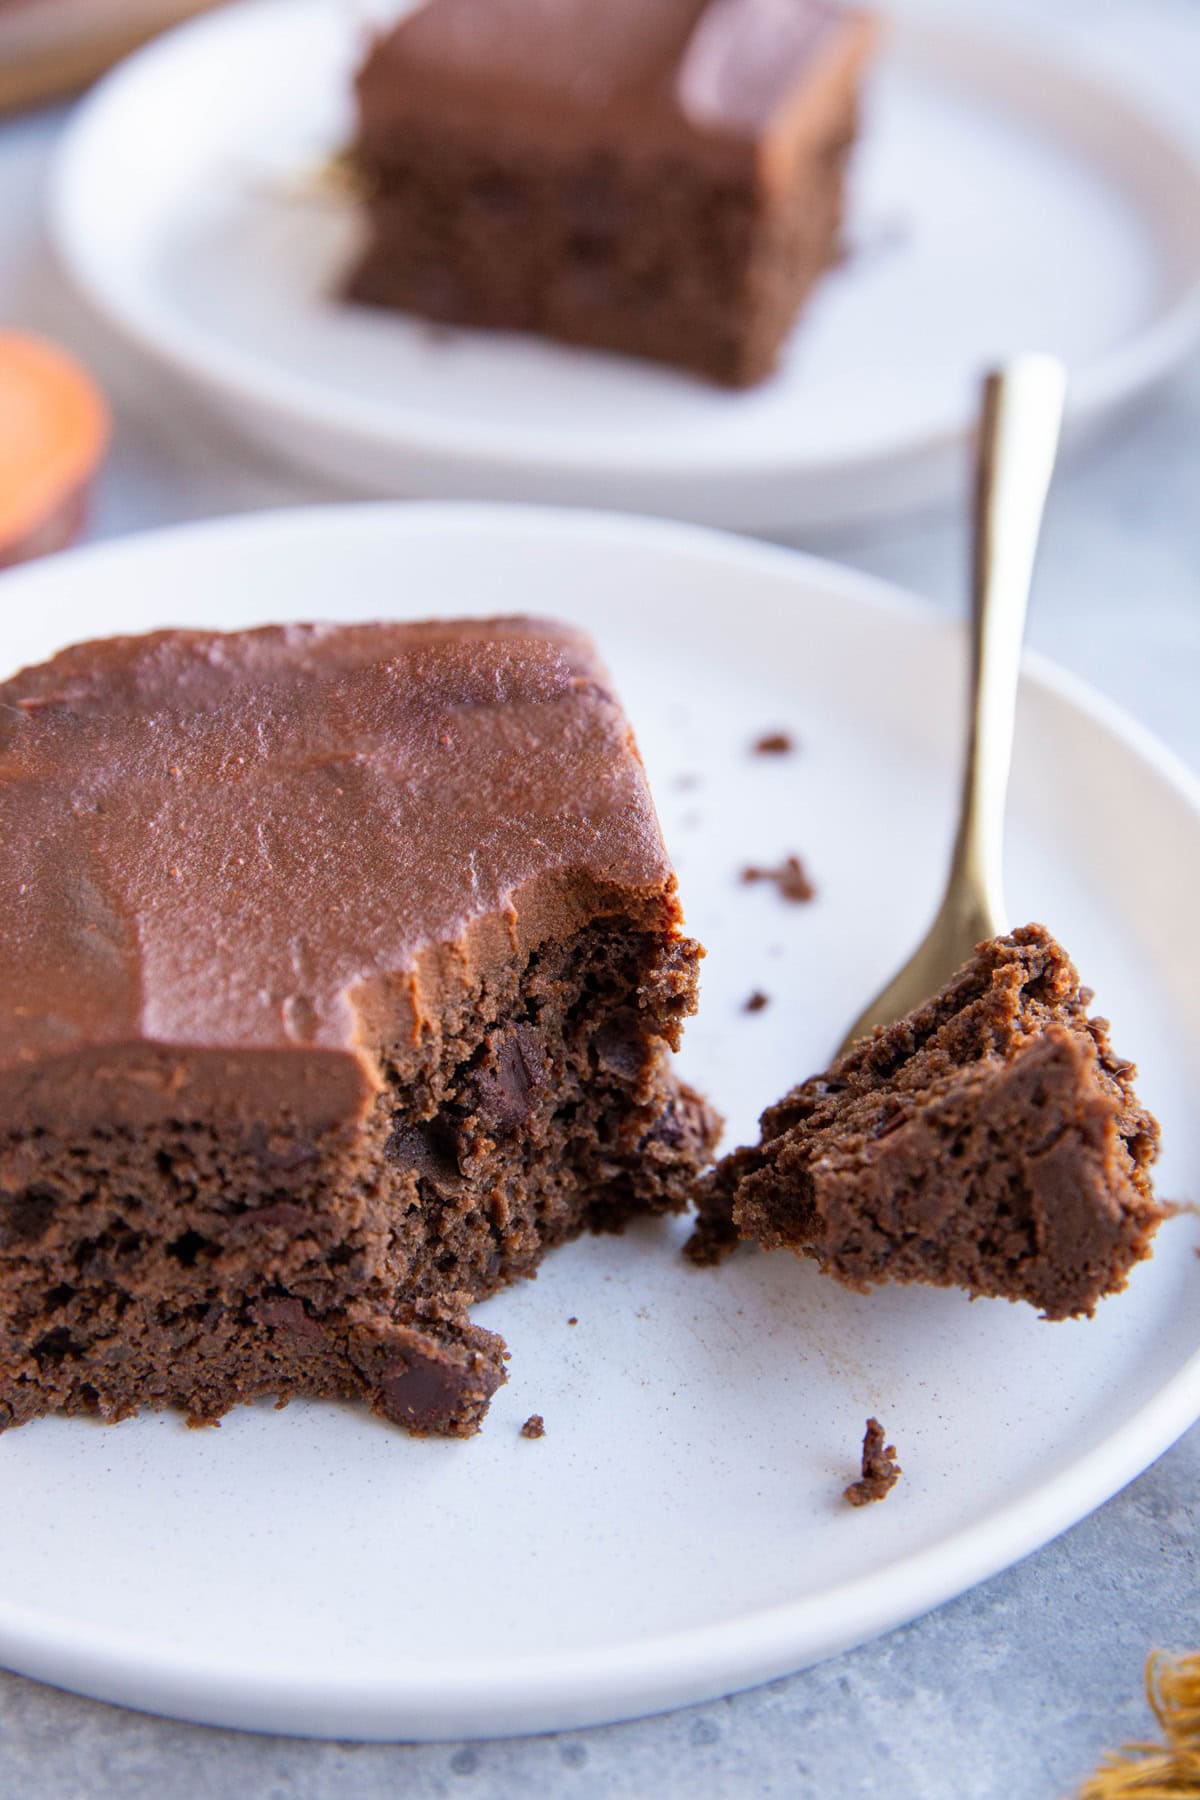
(340,969)
(990,1140)
(659,177)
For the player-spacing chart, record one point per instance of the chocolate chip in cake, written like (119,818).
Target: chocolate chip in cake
(505,1088)
(620,1046)
(287,1314)
(421,1393)
(427,1147)
(26,1217)
(686,1120)
(427,1388)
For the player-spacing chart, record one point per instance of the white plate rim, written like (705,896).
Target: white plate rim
(422,1701)
(1001,63)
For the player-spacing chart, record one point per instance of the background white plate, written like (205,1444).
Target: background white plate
(679,1531)
(999,204)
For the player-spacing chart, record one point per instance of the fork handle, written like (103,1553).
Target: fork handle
(1020,425)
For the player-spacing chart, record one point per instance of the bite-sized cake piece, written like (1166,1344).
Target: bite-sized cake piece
(339,971)
(660,177)
(990,1140)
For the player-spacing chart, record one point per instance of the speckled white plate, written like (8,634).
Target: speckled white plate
(679,1532)
(1000,202)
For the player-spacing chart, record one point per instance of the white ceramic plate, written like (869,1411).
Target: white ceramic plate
(999,203)
(679,1532)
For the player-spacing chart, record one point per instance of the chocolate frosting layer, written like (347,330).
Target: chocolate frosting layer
(680,71)
(228,846)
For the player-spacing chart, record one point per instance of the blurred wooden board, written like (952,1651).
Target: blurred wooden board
(52,48)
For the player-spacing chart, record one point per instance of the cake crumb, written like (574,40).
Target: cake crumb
(534,1426)
(775,743)
(757,1001)
(880,1470)
(572,1320)
(791,878)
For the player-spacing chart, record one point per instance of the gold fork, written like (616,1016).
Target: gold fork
(1020,422)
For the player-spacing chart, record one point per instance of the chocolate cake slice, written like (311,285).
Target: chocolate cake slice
(339,972)
(660,177)
(990,1140)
